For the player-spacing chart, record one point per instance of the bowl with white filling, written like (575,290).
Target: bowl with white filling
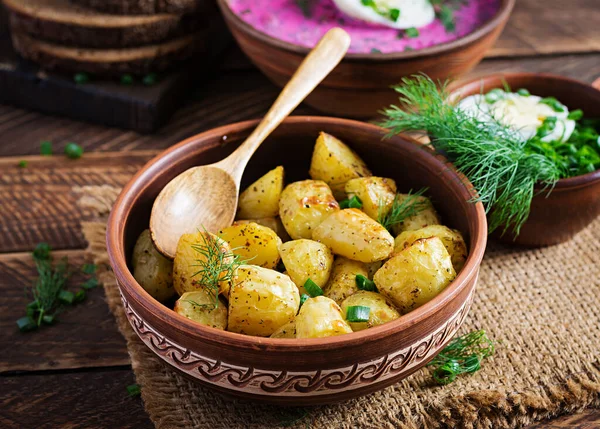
(556,117)
(391,39)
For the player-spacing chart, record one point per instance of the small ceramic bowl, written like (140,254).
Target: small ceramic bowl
(573,203)
(359,87)
(299,371)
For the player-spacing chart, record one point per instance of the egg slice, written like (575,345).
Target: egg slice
(399,14)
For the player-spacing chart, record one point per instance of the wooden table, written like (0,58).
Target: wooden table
(75,373)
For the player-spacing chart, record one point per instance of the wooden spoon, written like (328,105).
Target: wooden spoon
(206,197)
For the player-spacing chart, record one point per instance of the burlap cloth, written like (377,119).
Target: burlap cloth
(541,306)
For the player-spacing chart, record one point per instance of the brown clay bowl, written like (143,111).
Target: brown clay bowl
(574,203)
(359,87)
(302,371)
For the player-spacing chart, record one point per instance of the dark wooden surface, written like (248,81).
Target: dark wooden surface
(74,374)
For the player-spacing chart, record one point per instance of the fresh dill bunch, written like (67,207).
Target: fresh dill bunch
(463,355)
(402,209)
(215,266)
(48,286)
(489,154)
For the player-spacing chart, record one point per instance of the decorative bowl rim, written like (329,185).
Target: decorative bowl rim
(562,184)
(499,18)
(116,252)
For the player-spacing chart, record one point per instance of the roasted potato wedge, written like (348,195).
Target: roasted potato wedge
(335,164)
(425,217)
(193,250)
(320,317)
(254,243)
(270,222)
(304,205)
(452,239)
(306,259)
(151,269)
(415,275)
(342,281)
(261,199)
(376,193)
(381,311)
(200,308)
(286,331)
(261,301)
(354,235)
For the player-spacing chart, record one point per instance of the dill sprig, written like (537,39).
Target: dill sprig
(462,356)
(490,154)
(402,208)
(215,266)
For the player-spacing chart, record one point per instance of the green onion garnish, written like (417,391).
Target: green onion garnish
(312,288)
(575,115)
(90,283)
(48,319)
(556,105)
(523,92)
(73,150)
(88,268)
(303,298)
(411,32)
(81,78)
(150,79)
(66,296)
(26,324)
(358,313)
(134,390)
(22,164)
(46,148)
(363,283)
(394,14)
(352,203)
(126,79)
(494,95)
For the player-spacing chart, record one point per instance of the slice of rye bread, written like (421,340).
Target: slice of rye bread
(65,23)
(109,62)
(136,7)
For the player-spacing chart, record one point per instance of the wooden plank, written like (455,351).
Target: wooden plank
(550,27)
(85,335)
(587,419)
(37,203)
(95,399)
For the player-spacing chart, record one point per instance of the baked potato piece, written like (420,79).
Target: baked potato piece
(194,250)
(151,269)
(320,317)
(286,331)
(261,301)
(452,239)
(270,222)
(425,217)
(354,235)
(200,308)
(376,194)
(306,259)
(342,282)
(254,243)
(335,164)
(304,205)
(261,199)
(381,311)
(415,275)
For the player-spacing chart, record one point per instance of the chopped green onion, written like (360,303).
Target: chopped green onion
(79,296)
(575,115)
(303,299)
(394,14)
(134,390)
(90,283)
(150,79)
(446,17)
(352,203)
(22,164)
(363,283)
(88,268)
(42,251)
(556,105)
(26,324)
(494,95)
(73,150)
(358,313)
(32,308)
(523,92)
(312,288)
(46,148)
(66,296)
(411,32)
(48,319)
(81,78)
(547,126)
(126,79)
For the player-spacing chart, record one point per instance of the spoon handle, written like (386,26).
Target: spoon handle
(316,66)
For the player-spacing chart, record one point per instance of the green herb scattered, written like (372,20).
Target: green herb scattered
(358,313)
(73,150)
(150,79)
(491,155)
(303,298)
(306,6)
(215,266)
(81,78)
(402,208)
(494,95)
(89,268)
(90,283)
(394,14)
(575,115)
(556,105)
(411,33)
(363,283)
(351,203)
(463,355)
(127,79)
(46,148)
(523,92)
(134,390)
(446,16)
(22,164)
(312,288)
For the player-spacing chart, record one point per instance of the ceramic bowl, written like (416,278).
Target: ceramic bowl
(573,203)
(299,371)
(359,87)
